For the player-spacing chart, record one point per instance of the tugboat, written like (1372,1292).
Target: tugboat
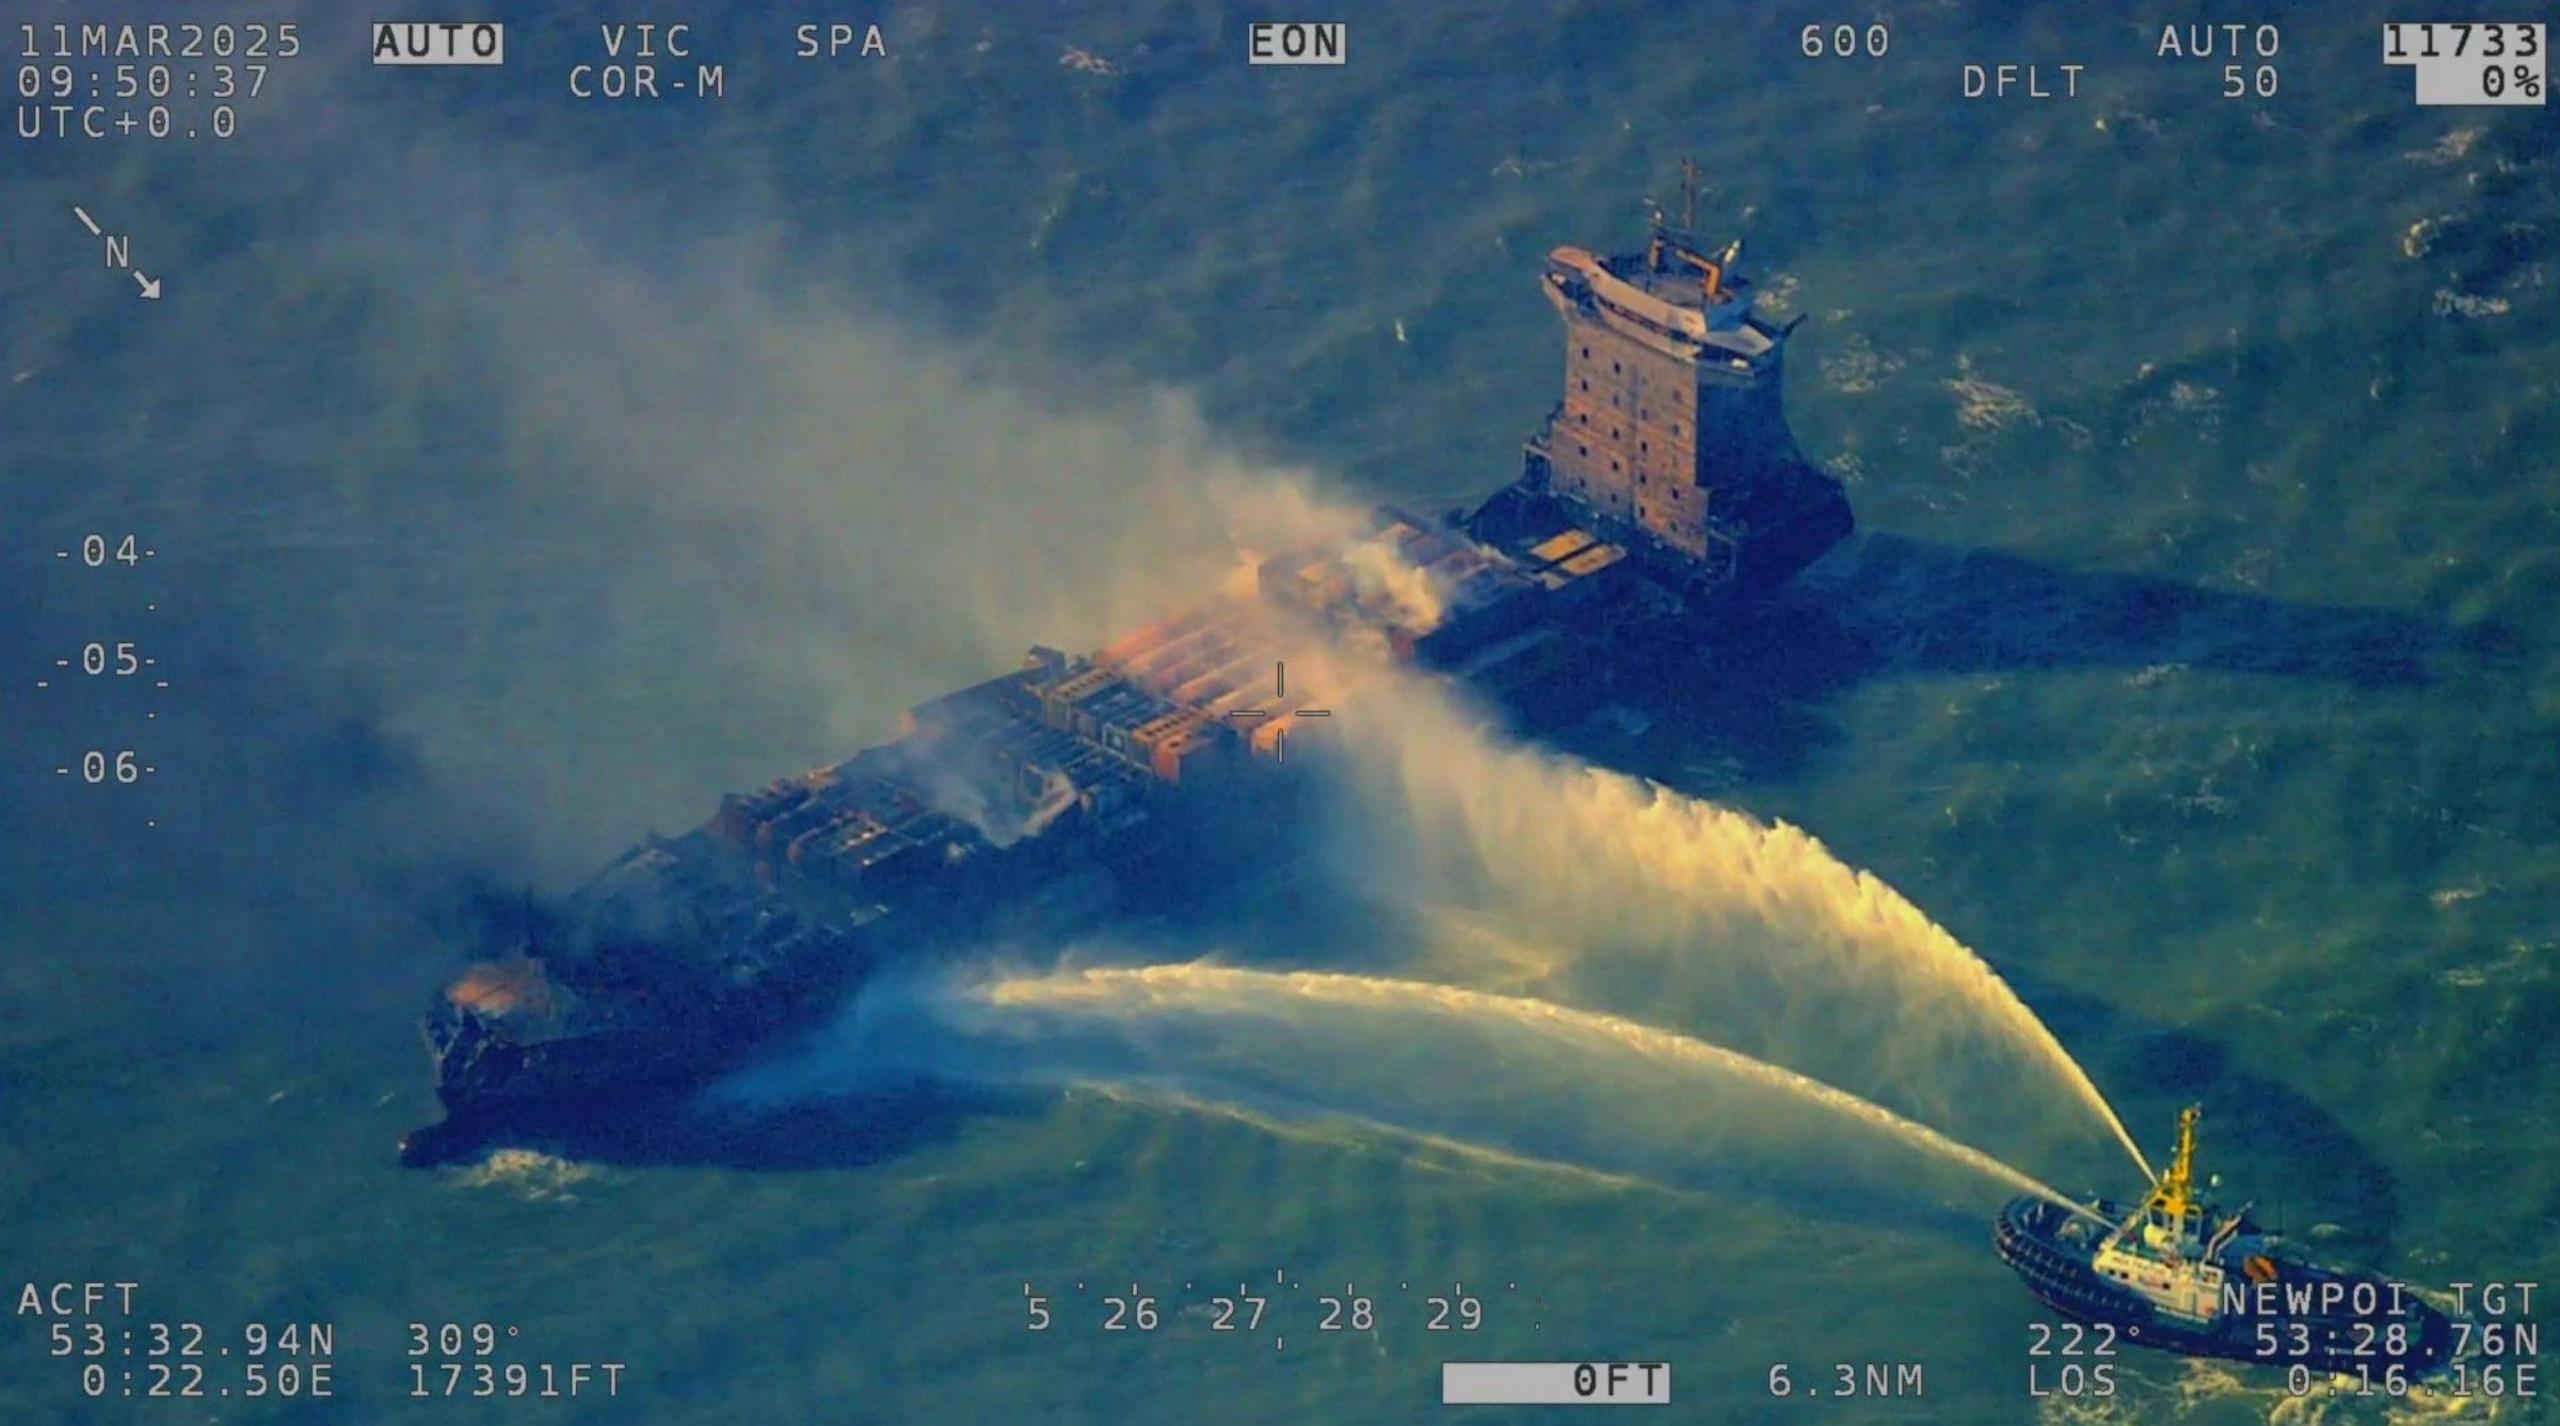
(2176,1275)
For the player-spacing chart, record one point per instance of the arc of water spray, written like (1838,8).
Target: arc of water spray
(1694,846)
(1861,904)
(1125,990)
(1311,1128)
(1942,945)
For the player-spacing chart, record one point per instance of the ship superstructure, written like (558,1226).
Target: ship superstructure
(1040,801)
(1672,436)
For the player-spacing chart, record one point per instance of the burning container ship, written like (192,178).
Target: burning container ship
(1662,492)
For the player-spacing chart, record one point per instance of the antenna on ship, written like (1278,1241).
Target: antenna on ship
(2172,1211)
(1683,245)
(2176,1189)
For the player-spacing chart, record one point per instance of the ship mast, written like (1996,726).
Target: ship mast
(1680,246)
(2176,1190)
(2171,1215)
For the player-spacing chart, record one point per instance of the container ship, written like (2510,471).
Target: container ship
(2177,1274)
(1656,500)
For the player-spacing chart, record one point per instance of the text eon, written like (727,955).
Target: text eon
(1297,42)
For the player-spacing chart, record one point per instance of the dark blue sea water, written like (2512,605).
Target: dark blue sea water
(525,472)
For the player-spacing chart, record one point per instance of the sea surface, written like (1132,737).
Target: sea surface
(524,472)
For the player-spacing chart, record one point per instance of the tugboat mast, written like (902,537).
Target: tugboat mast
(2171,1218)
(2175,1191)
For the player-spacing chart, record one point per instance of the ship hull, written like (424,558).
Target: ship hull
(493,1087)
(623,1055)
(2325,1321)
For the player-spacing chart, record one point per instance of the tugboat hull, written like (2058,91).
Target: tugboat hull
(2290,1314)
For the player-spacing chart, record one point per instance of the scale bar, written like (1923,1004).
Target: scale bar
(1555,1384)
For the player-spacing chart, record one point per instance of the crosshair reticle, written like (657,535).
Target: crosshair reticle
(1279,690)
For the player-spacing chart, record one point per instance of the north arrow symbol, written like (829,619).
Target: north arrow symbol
(150,286)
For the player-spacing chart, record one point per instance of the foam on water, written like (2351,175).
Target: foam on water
(2201,1385)
(527,1172)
